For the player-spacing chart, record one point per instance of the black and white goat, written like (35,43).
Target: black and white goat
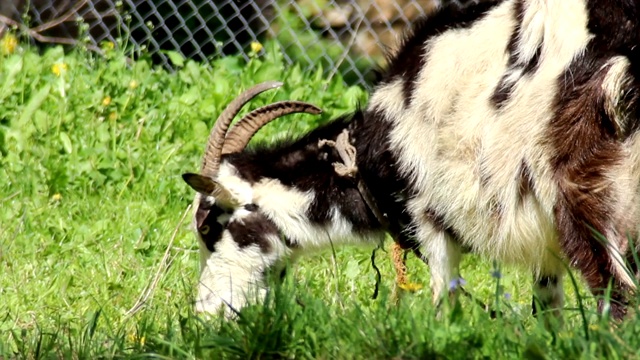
(505,128)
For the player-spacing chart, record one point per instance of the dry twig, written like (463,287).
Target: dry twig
(36,32)
(59,20)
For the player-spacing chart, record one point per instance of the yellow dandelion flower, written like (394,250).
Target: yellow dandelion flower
(108,45)
(133,84)
(409,286)
(106,101)
(134,339)
(8,44)
(113,116)
(256,47)
(59,68)
(56,197)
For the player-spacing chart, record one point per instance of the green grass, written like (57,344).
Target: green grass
(92,200)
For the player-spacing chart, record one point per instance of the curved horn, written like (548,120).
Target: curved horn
(244,130)
(213,150)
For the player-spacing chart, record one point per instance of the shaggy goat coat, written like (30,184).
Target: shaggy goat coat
(504,128)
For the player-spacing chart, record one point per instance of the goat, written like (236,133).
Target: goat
(505,128)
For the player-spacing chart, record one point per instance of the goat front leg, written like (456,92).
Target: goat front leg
(443,255)
(547,294)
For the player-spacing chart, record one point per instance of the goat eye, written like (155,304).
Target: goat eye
(204,230)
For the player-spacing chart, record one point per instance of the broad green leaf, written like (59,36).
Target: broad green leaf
(176,58)
(352,270)
(34,103)
(354,95)
(12,66)
(191,96)
(66,142)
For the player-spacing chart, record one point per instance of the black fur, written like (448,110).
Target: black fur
(504,89)
(377,166)
(301,164)
(253,230)
(617,32)
(207,224)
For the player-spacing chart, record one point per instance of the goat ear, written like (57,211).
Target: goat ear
(202,184)
(208,186)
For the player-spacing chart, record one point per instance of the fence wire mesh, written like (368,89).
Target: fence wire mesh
(345,36)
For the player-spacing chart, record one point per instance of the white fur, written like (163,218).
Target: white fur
(239,188)
(232,275)
(616,79)
(444,255)
(451,135)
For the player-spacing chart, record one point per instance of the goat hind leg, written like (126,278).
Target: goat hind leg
(598,260)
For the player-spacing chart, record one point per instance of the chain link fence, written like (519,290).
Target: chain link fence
(346,36)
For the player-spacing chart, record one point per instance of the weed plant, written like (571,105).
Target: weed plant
(92,208)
